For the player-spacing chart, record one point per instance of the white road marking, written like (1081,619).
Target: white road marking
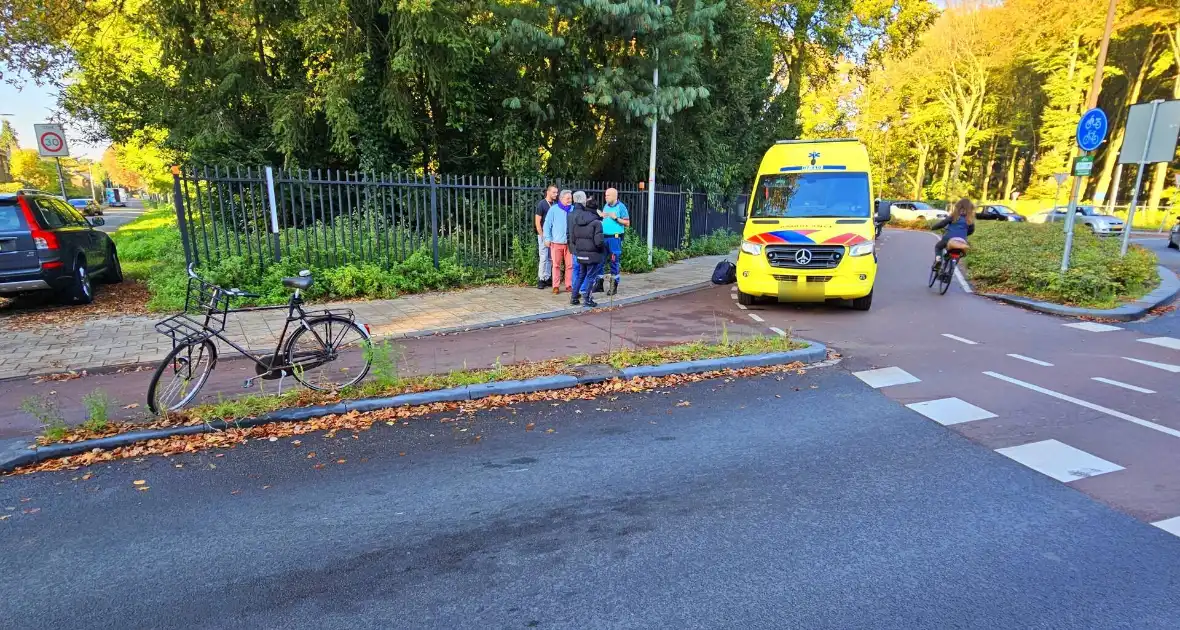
(733,296)
(733,288)
(1059,461)
(1175,369)
(779,331)
(962,281)
(1134,388)
(755,317)
(1088,405)
(742,306)
(1166,342)
(886,377)
(948,411)
(1092,326)
(1031,360)
(960,339)
(1170,525)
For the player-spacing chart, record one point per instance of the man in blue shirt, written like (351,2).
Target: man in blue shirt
(615,221)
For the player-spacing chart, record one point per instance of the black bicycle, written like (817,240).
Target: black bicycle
(326,352)
(944,272)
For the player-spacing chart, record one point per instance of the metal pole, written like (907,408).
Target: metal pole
(181,223)
(651,162)
(434,219)
(93,190)
(1155,106)
(1069,219)
(1091,103)
(1114,190)
(274,213)
(61,179)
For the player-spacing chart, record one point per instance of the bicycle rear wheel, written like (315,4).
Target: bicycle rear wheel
(948,270)
(181,375)
(935,269)
(328,354)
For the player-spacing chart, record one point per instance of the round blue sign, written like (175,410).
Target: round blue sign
(1092,129)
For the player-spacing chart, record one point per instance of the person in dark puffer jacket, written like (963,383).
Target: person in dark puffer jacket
(587,243)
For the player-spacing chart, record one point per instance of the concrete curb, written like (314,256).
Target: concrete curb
(17,453)
(1167,290)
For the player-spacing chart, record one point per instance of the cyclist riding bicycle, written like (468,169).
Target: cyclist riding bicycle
(960,224)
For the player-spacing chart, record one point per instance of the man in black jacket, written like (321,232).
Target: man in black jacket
(587,244)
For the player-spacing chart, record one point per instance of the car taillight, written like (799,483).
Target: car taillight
(41,238)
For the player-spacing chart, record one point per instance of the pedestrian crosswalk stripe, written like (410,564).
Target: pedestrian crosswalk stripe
(886,377)
(1059,461)
(1166,342)
(948,411)
(755,317)
(1092,326)
(1170,525)
(778,331)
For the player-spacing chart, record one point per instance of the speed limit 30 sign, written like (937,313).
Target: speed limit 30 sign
(51,140)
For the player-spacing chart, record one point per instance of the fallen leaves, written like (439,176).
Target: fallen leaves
(356,421)
(139,482)
(34,312)
(683,403)
(131,406)
(60,376)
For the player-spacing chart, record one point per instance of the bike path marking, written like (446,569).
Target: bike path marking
(1031,360)
(886,377)
(1170,525)
(1087,404)
(959,339)
(948,411)
(1134,388)
(1164,342)
(1175,369)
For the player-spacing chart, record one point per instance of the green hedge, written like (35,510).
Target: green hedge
(1025,259)
(151,252)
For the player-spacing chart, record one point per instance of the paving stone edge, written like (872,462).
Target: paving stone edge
(15,454)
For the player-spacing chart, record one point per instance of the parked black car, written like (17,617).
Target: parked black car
(1174,235)
(998,213)
(47,245)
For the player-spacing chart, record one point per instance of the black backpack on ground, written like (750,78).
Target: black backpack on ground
(725,273)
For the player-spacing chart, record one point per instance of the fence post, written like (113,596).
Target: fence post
(434,217)
(274,213)
(181,223)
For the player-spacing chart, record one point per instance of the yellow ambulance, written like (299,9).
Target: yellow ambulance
(809,228)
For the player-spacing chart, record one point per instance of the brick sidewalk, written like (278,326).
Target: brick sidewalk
(131,340)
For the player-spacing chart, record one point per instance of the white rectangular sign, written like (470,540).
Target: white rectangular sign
(1161,146)
(51,140)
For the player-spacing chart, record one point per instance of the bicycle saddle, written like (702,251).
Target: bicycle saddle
(302,283)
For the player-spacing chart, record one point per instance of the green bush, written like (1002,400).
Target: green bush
(1025,259)
(718,243)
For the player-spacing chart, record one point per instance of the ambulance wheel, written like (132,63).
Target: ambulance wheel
(745,299)
(863,303)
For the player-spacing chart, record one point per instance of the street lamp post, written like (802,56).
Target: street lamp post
(651,162)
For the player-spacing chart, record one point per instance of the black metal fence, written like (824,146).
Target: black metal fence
(329,218)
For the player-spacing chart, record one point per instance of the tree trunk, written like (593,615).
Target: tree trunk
(1116,145)
(987,171)
(1010,180)
(925,150)
(946,175)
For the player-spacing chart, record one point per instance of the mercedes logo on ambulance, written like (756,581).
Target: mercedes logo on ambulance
(803,257)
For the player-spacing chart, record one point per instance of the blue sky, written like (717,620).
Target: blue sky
(32,104)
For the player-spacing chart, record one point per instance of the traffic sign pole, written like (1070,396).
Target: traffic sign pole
(1155,106)
(1091,132)
(61,179)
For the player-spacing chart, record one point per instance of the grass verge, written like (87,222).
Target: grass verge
(388,383)
(1025,259)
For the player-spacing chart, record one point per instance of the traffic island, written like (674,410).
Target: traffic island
(1169,287)
(227,425)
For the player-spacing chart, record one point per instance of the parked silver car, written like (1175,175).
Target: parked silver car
(1089,216)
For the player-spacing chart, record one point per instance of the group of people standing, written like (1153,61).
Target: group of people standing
(577,238)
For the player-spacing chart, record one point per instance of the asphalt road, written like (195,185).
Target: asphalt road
(806,502)
(115,217)
(1169,323)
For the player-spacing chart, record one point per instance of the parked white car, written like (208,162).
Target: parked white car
(1088,217)
(915,211)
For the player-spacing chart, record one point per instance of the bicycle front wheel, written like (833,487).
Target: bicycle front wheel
(181,375)
(329,353)
(948,270)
